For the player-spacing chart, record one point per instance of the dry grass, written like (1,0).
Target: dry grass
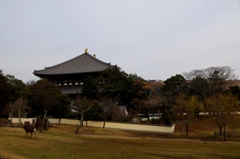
(60,142)
(203,128)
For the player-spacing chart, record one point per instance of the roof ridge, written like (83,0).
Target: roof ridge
(98,59)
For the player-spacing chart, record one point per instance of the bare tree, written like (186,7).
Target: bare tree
(223,72)
(218,78)
(186,109)
(19,107)
(83,104)
(223,106)
(210,81)
(111,109)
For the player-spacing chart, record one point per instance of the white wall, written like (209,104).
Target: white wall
(124,126)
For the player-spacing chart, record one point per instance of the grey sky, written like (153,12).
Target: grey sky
(155,39)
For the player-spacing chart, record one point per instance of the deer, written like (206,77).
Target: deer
(30,129)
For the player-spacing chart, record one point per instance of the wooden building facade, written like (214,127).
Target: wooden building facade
(69,75)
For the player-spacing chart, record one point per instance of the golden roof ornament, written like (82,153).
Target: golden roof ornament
(86,50)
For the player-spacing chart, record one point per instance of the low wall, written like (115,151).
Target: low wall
(17,120)
(135,127)
(124,126)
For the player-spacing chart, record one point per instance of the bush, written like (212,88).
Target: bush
(155,121)
(166,117)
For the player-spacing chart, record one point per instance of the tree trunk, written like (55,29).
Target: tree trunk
(220,132)
(224,133)
(20,122)
(104,122)
(19,116)
(81,123)
(148,117)
(59,121)
(79,126)
(43,120)
(187,130)
(11,114)
(182,130)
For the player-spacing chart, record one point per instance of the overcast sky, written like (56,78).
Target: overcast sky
(155,39)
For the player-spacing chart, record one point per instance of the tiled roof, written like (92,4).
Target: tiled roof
(84,63)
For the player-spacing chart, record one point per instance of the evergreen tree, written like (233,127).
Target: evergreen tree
(5,93)
(166,117)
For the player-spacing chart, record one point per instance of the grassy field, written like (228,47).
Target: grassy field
(60,142)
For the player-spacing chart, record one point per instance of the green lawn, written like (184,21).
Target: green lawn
(60,142)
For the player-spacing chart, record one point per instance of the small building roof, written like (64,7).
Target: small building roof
(84,63)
